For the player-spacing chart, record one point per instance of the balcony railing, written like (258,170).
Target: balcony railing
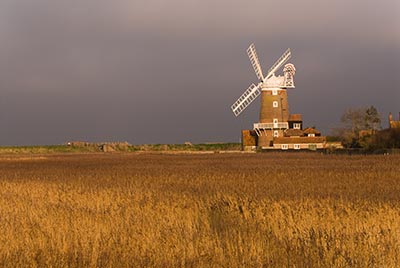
(280,125)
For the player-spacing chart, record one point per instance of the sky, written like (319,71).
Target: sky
(160,71)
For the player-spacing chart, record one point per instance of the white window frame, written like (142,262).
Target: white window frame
(276,133)
(275,104)
(274,92)
(284,146)
(296,146)
(311,135)
(297,125)
(276,122)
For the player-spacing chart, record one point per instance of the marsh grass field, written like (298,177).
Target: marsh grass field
(199,210)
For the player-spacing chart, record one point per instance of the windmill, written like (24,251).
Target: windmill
(274,112)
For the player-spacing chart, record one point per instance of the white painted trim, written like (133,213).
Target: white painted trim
(276,123)
(281,125)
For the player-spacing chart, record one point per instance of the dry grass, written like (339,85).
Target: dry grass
(221,210)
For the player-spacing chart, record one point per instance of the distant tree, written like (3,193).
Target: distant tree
(356,120)
(372,119)
(352,121)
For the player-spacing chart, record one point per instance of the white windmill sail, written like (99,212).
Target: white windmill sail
(247,97)
(254,91)
(251,51)
(284,58)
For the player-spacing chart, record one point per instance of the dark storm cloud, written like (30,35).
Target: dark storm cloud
(167,71)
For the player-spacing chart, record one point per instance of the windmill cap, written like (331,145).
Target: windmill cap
(289,67)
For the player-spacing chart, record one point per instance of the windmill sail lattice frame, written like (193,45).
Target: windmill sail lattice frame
(245,99)
(254,91)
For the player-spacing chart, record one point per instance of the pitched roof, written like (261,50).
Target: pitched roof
(293,132)
(295,117)
(311,130)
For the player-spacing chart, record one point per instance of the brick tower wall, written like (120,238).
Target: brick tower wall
(268,112)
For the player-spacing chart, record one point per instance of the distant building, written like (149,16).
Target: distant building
(392,123)
(290,139)
(366,133)
(277,128)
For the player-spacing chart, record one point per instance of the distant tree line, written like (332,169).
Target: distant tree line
(361,128)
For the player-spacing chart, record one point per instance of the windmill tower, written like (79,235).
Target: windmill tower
(274,112)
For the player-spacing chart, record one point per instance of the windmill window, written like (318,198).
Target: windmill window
(274,92)
(297,146)
(297,126)
(275,104)
(276,133)
(284,146)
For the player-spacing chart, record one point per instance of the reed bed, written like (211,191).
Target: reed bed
(193,210)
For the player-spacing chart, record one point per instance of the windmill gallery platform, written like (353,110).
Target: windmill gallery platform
(277,129)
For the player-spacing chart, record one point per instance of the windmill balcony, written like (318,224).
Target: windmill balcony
(280,125)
